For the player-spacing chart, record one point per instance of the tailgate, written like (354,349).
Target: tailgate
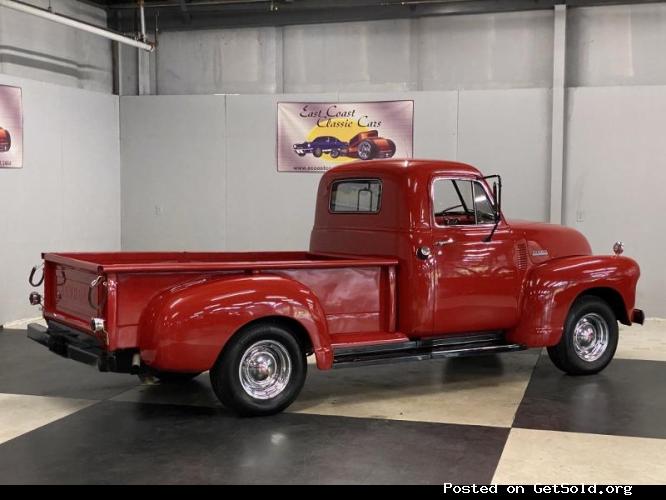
(72,295)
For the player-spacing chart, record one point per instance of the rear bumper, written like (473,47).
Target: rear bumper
(638,316)
(80,347)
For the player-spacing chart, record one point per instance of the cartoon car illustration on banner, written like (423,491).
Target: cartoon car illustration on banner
(320,145)
(368,145)
(5,140)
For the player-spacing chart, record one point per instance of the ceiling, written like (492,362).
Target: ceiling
(207,14)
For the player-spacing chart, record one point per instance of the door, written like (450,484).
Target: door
(477,282)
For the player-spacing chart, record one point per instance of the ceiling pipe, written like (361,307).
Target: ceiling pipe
(73,23)
(143,21)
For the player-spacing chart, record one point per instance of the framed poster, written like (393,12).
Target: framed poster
(11,127)
(316,136)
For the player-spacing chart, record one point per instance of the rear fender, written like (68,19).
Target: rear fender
(551,288)
(186,327)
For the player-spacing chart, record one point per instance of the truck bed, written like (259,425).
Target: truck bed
(357,294)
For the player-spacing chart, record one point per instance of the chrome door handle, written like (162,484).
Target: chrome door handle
(441,243)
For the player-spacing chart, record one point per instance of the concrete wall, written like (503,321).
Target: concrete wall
(438,53)
(616,45)
(41,50)
(67,195)
(610,45)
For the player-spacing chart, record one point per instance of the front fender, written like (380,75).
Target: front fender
(185,328)
(551,288)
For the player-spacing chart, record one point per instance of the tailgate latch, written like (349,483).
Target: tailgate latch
(93,286)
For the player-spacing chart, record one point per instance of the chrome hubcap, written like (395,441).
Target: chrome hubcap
(590,337)
(265,369)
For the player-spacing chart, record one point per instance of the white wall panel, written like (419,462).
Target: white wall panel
(173,172)
(508,132)
(615,176)
(67,195)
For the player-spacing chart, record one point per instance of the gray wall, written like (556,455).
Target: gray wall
(67,195)
(615,178)
(438,53)
(35,48)
(610,45)
(199,172)
(173,175)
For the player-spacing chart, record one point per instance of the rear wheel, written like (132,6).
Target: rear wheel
(261,371)
(335,153)
(366,150)
(589,338)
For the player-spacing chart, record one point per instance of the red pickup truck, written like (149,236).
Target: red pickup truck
(408,260)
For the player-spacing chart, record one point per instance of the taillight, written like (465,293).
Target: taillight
(97,324)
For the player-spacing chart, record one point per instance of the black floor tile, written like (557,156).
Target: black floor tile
(27,367)
(626,399)
(113,442)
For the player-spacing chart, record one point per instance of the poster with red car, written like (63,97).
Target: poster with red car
(11,127)
(316,136)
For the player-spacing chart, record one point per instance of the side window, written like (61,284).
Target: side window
(356,196)
(461,202)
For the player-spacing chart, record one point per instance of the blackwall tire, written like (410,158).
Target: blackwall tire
(589,339)
(335,153)
(316,152)
(261,370)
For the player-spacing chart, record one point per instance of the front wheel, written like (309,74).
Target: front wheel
(260,372)
(589,338)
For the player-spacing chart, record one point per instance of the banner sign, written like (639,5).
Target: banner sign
(11,127)
(316,136)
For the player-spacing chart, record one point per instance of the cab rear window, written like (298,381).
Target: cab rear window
(356,196)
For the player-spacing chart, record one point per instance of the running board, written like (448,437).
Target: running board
(472,345)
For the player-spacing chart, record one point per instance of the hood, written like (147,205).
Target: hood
(550,241)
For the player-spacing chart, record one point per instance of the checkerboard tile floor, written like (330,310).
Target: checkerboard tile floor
(511,418)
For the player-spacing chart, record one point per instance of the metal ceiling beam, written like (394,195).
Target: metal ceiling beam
(215,14)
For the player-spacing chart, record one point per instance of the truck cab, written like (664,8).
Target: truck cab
(408,260)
